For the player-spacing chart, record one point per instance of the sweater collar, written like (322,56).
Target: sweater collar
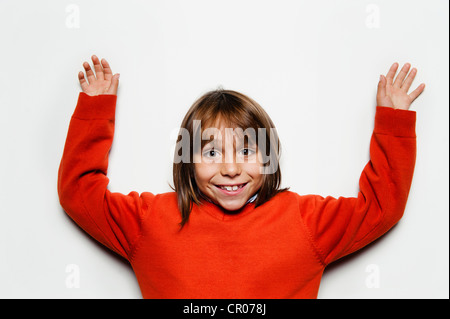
(217,211)
(250,200)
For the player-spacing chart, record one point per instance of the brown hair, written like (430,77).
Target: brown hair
(237,110)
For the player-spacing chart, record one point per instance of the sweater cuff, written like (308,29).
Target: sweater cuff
(395,122)
(98,107)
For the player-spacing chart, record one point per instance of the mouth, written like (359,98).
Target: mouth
(231,189)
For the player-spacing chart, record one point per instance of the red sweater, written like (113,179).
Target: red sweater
(277,250)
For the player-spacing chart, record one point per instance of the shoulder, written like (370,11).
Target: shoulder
(296,201)
(163,206)
(168,198)
(154,202)
(286,194)
(283,199)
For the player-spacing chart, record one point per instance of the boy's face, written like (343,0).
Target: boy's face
(227,170)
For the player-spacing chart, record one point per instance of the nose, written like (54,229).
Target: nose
(230,169)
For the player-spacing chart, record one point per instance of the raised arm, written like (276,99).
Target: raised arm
(113,219)
(340,226)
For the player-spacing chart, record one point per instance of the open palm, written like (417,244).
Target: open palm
(102,81)
(394,93)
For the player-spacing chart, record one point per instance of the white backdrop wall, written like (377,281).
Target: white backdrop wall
(313,65)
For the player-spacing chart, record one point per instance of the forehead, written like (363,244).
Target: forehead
(219,122)
(220,129)
(224,135)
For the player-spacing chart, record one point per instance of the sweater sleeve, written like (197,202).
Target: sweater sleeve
(113,219)
(341,226)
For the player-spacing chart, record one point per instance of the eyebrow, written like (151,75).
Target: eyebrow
(218,143)
(212,137)
(212,144)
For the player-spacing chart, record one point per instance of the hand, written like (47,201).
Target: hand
(395,93)
(102,82)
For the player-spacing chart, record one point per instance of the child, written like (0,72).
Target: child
(228,230)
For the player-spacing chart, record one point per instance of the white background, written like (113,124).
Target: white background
(313,65)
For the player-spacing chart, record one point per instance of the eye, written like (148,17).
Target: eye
(212,153)
(247,152)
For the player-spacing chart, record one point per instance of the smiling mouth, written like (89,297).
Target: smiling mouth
(231,188)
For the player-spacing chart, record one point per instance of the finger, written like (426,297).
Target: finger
(414,94)
(83,81)
(391,73)
(106,70)
(89,73)
(98,68)
(409,80)
(381,87)
(114,84)
(401,76)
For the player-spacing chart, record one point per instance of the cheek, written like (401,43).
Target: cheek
(254,171)
(253,167)
(203,173)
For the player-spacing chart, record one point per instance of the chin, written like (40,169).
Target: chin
(232,206)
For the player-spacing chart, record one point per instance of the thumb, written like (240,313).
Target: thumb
(381,87)
(114,84)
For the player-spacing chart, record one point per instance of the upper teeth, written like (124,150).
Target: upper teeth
(231,188)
